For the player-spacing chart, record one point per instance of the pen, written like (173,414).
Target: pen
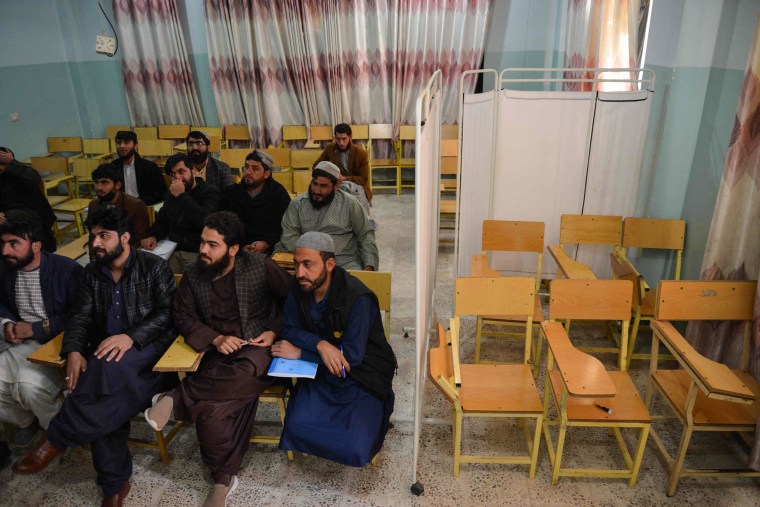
(602,407)
(342,368)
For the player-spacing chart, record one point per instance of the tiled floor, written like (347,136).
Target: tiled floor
(267,478)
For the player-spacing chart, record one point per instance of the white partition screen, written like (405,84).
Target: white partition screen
(426,190)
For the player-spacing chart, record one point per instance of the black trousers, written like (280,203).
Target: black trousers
(98,412)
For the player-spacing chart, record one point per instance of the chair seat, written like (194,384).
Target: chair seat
(675,386)
(626,405)
(383,162)
(538,314)
(406,162)
(448,207)
(55,200)
(273,392)
(72,205)
(648,304)
(499,388)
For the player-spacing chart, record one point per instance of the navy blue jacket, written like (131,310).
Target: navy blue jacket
(59,279)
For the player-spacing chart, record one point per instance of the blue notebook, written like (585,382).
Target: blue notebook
(293,368)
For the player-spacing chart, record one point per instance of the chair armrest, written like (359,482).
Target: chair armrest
(570,268)
(49,354)
(480,267)
(715,379)
(179,357)
(583,375)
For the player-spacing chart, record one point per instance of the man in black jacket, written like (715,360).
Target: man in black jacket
(21,191)
(333,319)
(186,205)
(260,201)
(120,327)
(142,178)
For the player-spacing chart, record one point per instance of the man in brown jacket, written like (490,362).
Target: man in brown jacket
(109,182)
(352,160)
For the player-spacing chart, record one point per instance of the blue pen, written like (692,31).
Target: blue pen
(342,368)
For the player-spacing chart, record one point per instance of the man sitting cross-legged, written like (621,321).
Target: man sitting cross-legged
(120,326)
(229,303)
(333,319)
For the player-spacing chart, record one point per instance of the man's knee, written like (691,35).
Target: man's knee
(29,395)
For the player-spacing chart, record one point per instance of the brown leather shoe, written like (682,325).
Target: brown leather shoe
(38,458)
(117,500)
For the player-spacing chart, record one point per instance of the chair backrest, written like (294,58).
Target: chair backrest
(96,146)
(294,133)
(51,164)
(64,144)
(591,230)
(590,299)
(321,133)
(155,148)
(511,236)
(383,131)
(659,233)
(237,133)
(406,132)
(111,131)
(173,132)
(378,282)
(145,133)
(210,131)
(449,148)
(450,132)
(234,157)
(281,156)
(495,296)
(360,132)
(303,159)
(440,365)
(82,168)
(705,300)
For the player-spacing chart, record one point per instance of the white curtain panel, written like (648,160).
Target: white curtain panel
(158,80)
(540,165)
(617,149)
(475,178)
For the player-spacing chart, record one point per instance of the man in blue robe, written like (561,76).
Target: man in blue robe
(333,319)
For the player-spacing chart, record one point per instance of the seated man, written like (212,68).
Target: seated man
(351,159)
(333,319)
(142,178)
(109,183)
(21,190)
(37,292)
(120,327)
(211,170)
(229,304)
(260,201)
(325,208)
(186,205)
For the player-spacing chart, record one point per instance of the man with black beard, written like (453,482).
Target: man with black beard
(259,201)
(109,183)
(209,169)
(37,291)
(141,177)
(229,304)
(186,205)
(325,208)
(119,328)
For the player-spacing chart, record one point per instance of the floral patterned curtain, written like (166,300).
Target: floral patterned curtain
(158,81)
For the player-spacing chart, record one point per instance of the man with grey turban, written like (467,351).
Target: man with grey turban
(333,319)
(325,208)
(259,201)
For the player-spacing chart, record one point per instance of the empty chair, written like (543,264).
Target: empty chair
(585,230)
(388,178)
(585,394)
(488,390)
(405,164)
(703,395)
(237,136)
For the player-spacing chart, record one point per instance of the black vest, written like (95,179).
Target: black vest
(375,373)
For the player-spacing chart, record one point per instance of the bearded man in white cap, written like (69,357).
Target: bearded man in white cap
(333,319)
(259,201)
(326,208)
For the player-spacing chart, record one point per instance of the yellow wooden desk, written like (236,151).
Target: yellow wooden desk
(285,260)
(49,354)
(570,268)
(75,249)
(179,357)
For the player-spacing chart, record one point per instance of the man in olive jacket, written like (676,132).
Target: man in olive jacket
(121,325)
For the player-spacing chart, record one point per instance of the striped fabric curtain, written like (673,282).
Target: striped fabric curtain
(158,81)
(322,62)
(733,245)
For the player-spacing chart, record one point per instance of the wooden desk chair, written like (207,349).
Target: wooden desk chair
(55,165)
(449,157)
(49,355)
(647,233)
(703,395)
(235,158)
(174,133)
(588,230)
(378,282)
(406,135)
(488,390)
(294,136)
(94,153)
(157,150)
(319,135)
(509,236)
(210,131)
(450,132)
(302,161)
(282,171)
(360,135)
(238,134)
(382,132)
(580,386)
(146,134)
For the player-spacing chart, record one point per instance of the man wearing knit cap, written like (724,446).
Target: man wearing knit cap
(325,208)
(259,201)
(211,170)
(333,319)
